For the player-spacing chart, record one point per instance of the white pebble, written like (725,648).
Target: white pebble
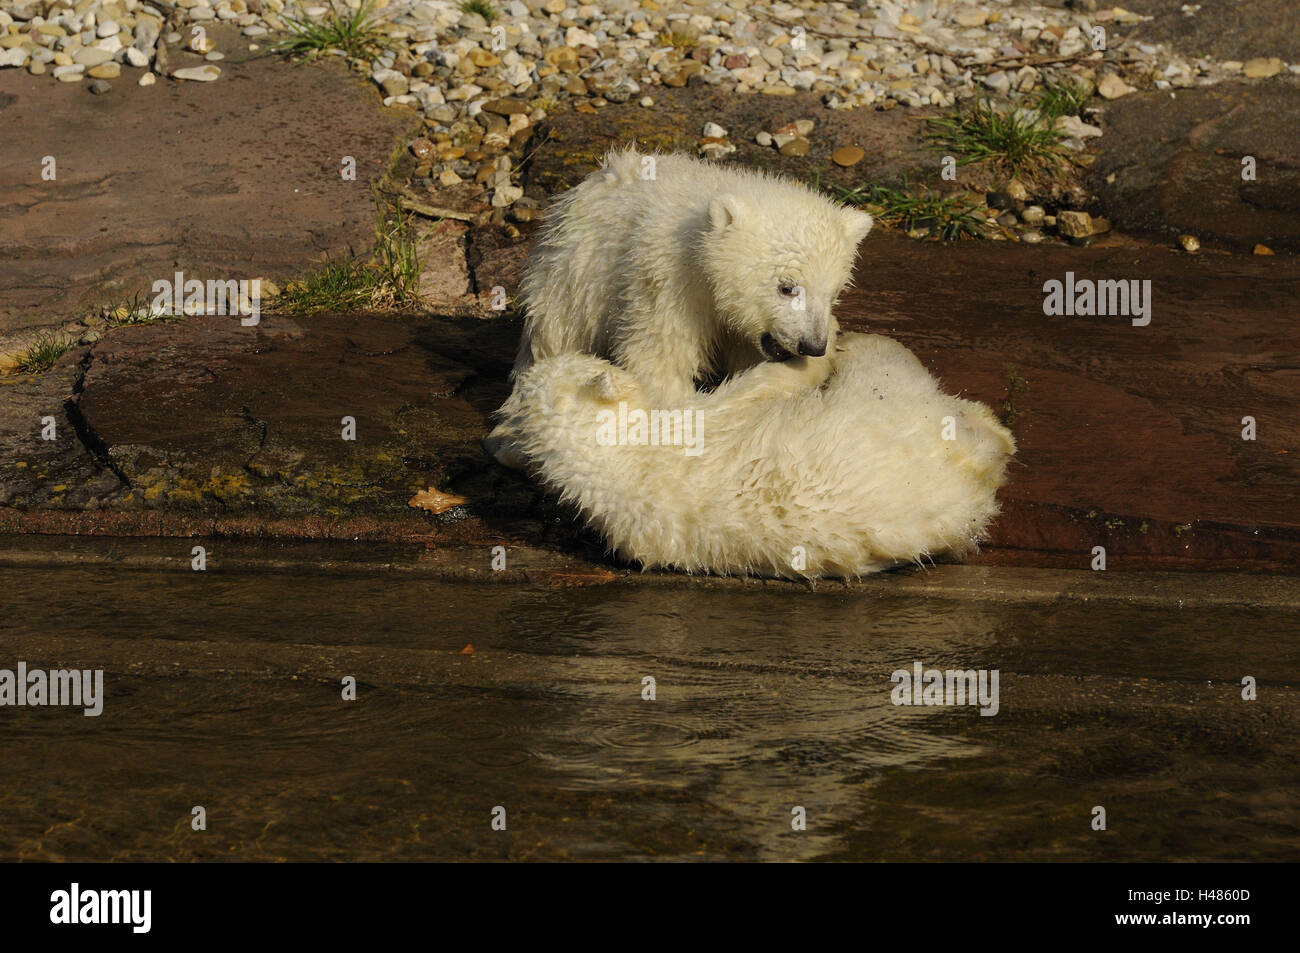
(197,74)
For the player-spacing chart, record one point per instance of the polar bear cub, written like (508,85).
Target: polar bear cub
(683,271)
(804,468)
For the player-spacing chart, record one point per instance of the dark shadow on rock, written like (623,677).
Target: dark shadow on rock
(1225,31)
(1174,163)
(505,501)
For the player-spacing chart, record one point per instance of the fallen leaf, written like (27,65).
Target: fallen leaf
(435,501)
(467,650)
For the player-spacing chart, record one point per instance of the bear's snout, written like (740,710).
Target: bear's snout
(812,347)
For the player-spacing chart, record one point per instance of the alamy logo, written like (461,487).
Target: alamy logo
(103,906)
(1088,297)
(923,686)
(179,296)
(78,688)
(654,428)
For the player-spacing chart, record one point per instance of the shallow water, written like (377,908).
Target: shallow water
(223,690)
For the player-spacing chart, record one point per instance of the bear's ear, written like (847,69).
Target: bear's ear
(725,211)
(856,224)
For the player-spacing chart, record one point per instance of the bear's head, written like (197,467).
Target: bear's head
(777,261)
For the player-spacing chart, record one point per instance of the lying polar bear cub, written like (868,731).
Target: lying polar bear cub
(806,468)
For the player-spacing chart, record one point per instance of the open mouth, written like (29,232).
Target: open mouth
(774,351)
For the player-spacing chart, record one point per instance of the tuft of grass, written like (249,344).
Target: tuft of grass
(948,216)
(355,33)
(335,286)
(45,353)
(122,317)
(1061,97)
(391,275)
(481,7)
(138,309)
(397,258)
(1018,140)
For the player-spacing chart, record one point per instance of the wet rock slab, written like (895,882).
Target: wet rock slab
(207,418)
(253,419)
(1130,437)
(43,459)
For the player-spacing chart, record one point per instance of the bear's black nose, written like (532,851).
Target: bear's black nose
(812,348)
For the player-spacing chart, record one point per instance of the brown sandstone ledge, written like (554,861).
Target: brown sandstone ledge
(234,179)
(1130,437)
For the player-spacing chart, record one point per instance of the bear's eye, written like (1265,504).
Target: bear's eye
(787,289)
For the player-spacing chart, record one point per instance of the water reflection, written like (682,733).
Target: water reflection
(225,690)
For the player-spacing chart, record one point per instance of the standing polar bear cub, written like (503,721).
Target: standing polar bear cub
(682,271)
(774,473)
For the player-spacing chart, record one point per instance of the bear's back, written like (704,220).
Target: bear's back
(678,184)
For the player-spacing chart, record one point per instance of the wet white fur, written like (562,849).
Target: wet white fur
(676,278)
(852,466)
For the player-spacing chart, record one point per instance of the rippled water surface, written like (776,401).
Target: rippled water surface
(224,690)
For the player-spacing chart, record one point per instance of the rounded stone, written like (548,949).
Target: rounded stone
(198,74)
(797,146)
(89,56)
(847,156)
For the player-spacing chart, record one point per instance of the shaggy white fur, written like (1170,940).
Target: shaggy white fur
(807,468)
(678,269)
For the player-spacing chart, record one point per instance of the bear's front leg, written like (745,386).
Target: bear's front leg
(777,380)
(664,360)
